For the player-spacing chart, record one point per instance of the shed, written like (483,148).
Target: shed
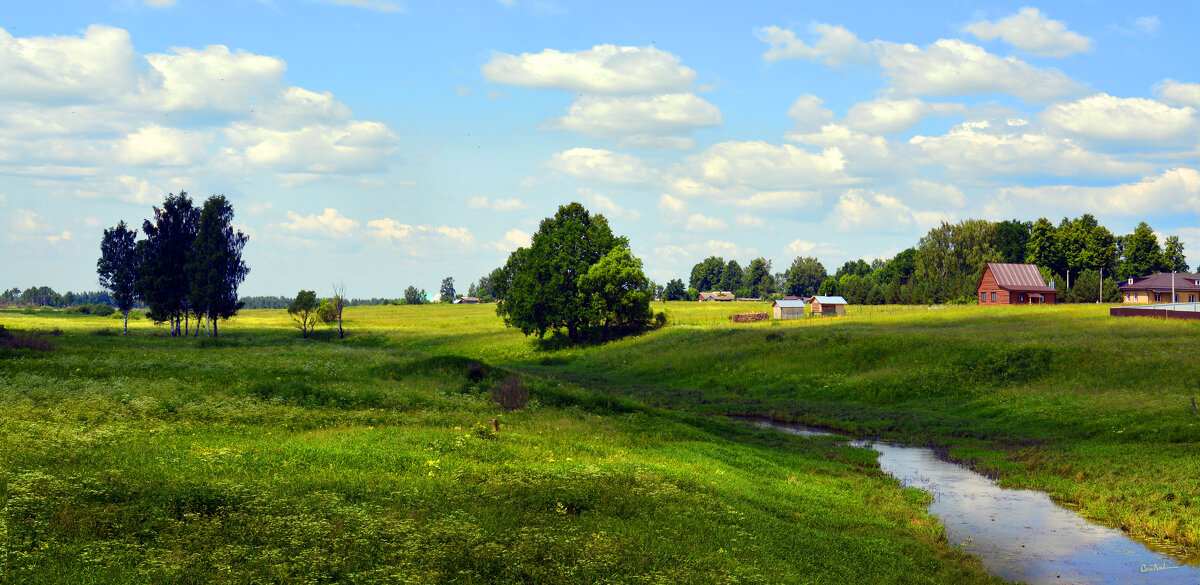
(785,309)
(828,306)
(1013,284)
(724,296)
(469,300)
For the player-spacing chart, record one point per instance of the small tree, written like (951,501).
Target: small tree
(615,289)
(304,311)
(339,303)
(117,267)
(447,290)
(674,291)
(414,296)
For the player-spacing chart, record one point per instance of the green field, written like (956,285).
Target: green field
(267,458)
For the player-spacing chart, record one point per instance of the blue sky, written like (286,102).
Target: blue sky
(385,144)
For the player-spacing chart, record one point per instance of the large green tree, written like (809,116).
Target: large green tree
(1173,255)
(1043,248)
(757,277)
(215,267)
(1011,237)
(674,291)
(118,266)
(804,277)
(951,258)
(731,277)
(615,288)
(162,281)
(706,274)
(1142,254)
(544,293)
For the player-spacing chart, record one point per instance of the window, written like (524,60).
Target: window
(1021,298)
(983,297)
(1157,297)
(1191,298)
(1176,299)
(993,297)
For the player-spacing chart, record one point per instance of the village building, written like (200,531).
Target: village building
(1159,288)
(828,306)
(1013,284)
(723,296)
(788,309)
(466,301)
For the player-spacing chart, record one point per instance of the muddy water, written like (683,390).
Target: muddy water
(1022,535)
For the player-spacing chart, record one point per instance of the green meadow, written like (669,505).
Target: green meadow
(263,457)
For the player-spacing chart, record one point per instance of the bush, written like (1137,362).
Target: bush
(511,394)
(33,340)
(660,320)
(475,371)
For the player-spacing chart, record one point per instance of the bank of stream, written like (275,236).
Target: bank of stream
(1020,535)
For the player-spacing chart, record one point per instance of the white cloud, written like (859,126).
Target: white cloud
(482,202)
(720,248)
(296,107)
(638,116)
(512,240)
(1105,117)
(212,78)
(159,3)
(350,147)
(976,148)
(380,5)
(671,209)
(420,240)
(890,116)
(603,165)
(701,223)
(953,67)
(836,44)
(159,145)
(808,114)
(1174,189)
(330,223)
(27,225)
(749,221)
(1146,25)
(776,200)
(937,194)
(100,64)
(867,210)
(1178,93)
(604,69)
(658,142)
(1029,31)
(605,205)
(806,248)
(371,183)
(257,207)
(760,166)
(863,154)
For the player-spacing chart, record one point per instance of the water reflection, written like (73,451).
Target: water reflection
(1022,535)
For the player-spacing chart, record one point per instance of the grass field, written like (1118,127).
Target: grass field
(372,459)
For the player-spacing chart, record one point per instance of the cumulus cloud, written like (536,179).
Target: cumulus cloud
(419,240)
(808,114)
(603,165)
(864,154)
(100,64)
(638,117)
(761,166)
(27,225)
(512,240)
(671,209)
(605,205)
(603,69)
(953,67)
(890,116)
(158,145)
(701,223)
(835,45)
(749,221)
(779,199)
(937,194)
(330,224)
(380,5)
(978,148)
(1105,117)
(867,210)
(1178,92)
(355,146)
(1176,189)
(212,78)
(802,247)
(482,202)
(1029,31)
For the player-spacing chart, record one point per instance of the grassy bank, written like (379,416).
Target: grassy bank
(267,458)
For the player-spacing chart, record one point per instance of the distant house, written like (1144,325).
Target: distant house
(749,299)
(1013,284)
(1157,288)
(723,296)
(790,298)
(828,306)
(467,301)
(785,309)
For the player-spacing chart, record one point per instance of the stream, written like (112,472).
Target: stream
(1020,535)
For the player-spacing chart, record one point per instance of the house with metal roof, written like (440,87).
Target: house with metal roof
(828,306)
(788,309)
(724,296)
(1013,284)
(1164,287)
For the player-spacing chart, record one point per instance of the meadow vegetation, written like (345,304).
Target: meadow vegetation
(264,456)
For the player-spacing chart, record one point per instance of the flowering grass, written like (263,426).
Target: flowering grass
(262,457)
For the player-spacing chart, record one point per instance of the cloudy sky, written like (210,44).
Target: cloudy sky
(386,143)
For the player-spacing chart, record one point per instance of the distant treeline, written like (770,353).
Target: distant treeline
(44,296)
(274,302)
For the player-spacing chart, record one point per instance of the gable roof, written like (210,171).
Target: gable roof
(723,295)
(789,304)
(1020,277)
(830,300)
(1161,282)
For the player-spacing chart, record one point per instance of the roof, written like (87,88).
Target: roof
(1019,277)
(789,304)
(1161,282)
(717,295)
(830,300)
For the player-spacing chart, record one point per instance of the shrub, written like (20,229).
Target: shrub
(511,394)
(660,320)
(475,371)
(25,340)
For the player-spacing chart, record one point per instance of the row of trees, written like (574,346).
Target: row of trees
(44,296)
(575,275)
(189,264)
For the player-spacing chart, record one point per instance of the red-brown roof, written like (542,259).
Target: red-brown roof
(1020,277)
(1161,282)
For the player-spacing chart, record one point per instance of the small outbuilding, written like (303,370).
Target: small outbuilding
(828,306)
(788,309)
(468,301)
(1013,284)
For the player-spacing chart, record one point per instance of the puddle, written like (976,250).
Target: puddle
(1021,535)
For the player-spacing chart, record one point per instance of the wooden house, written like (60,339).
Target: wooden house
(1159,288)
(723,296)
(1013,284)
(828,306)
(785,309)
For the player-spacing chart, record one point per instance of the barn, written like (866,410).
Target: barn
(1013,284)
(788,309)
(828,306)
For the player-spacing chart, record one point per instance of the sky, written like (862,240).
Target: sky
(383,144)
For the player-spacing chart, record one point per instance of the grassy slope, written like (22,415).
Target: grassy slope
(268,458)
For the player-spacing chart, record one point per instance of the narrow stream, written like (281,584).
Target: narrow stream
(1021,535)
